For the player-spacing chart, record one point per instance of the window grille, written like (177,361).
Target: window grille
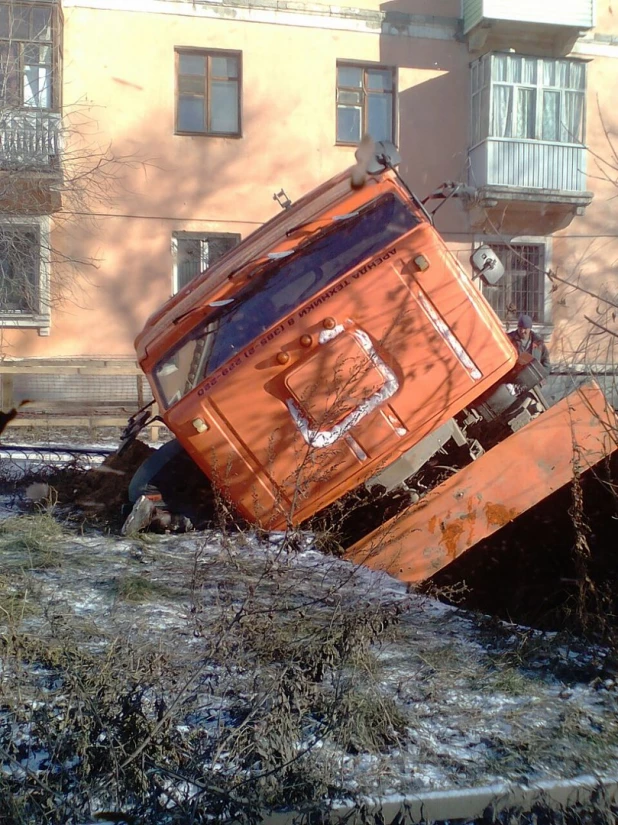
(522,288)
(20,259)
(196,252)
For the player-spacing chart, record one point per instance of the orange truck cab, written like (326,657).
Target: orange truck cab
(339,354)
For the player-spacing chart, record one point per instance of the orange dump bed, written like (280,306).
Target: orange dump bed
(571,437)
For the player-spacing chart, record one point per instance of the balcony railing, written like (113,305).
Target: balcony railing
(578,14)
(29,140)
(530,164)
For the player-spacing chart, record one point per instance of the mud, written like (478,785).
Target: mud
(99,495)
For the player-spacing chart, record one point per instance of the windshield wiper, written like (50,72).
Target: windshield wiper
(260,263)
(215,304)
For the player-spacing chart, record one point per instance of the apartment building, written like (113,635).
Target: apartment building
(141,139)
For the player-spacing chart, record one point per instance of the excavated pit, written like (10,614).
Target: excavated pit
(554,568)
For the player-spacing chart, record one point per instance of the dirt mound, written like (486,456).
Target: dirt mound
(101,493)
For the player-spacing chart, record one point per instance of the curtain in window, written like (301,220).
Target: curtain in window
(551,115)
(572,128)
(502,121)
(526,113)
(37,87)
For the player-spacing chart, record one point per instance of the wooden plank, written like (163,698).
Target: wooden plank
(66,369)
(92,422)
(7,392)
(68,421)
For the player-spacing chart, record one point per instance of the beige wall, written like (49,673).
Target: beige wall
(119,93)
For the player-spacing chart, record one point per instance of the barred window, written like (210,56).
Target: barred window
(195,252)
(522,289)
(20,255)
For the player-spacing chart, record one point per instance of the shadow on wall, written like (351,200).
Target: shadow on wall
(433,106)
(171,183)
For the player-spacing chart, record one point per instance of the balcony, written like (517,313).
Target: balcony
(540,24)
(29,141)
(530,170)
(528,125)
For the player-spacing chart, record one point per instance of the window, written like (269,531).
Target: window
(528,98)
(365,102)
(208,92)
(26,56)
(194,253)
(522,288)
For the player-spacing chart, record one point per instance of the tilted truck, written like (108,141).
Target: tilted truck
(339,368)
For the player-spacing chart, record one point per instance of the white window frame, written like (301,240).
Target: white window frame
(40,320)
(483,99)
(546,328)
(196,236)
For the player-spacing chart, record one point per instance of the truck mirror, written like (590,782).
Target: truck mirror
(384,154)
(488,264)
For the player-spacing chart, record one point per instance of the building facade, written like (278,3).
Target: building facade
(141,139)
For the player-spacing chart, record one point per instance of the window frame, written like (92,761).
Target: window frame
(366,66)
(545,244)
(483,98)
(41,318)
(55,47)
(194,236)
(207,54)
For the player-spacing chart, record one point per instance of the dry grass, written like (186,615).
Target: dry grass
(138,588)
(31,542)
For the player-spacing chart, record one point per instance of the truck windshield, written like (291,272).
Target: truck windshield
(279,290)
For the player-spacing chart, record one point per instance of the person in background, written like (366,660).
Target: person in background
(525,340)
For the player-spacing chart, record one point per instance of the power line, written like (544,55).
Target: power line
(157,217)
(444,232)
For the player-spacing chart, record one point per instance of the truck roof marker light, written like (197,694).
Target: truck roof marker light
(200,425)
(283,357)
(306,340)
(329,323)
(421,262)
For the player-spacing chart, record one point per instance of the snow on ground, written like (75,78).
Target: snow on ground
(472,700)
(483,702)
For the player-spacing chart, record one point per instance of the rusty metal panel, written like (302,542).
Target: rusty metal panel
(509,479)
